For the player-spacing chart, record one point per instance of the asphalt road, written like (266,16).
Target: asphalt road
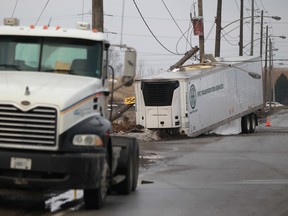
(206,176)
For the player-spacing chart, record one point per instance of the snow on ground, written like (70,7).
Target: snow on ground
(231,128)
(145,136)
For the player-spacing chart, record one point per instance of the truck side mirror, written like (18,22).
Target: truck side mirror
(129,67)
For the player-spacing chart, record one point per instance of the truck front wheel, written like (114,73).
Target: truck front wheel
(95,198)
(135,165)
(125,187)
(128,167)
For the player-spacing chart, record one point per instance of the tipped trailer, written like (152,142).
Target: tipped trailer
(197,99)
(54,130)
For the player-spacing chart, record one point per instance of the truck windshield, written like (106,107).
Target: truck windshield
(50,54)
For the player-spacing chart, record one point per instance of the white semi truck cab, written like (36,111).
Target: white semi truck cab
(54,133)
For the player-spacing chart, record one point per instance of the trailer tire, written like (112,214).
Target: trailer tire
(252,123)
(245,124)
(95,198)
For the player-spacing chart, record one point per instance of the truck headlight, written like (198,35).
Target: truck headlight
(87,140)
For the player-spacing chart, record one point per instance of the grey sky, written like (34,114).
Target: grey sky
(136,34)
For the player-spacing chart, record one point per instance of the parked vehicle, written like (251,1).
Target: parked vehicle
(196,99)
(274,104)
(54,131)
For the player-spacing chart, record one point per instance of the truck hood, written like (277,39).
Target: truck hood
(39,88)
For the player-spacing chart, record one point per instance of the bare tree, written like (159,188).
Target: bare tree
(114,60)
(140,68)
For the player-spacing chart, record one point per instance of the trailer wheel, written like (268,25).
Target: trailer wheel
(252,123)
(245,124)
(94,198)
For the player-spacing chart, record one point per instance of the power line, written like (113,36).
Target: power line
(83,2)
(14,8)
(227,33)
(42,12)
(209,33)
(228,40)
(143,35)
(162,19)
(183,34)
(151,30)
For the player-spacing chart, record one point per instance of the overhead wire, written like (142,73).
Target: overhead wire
(227,33)
(150,30)
(265,11)
(14,8)
(228,40)
(189,35)
(257,18)
(190,42)
(83,2)
(42,12)
(209,33)
(183,34)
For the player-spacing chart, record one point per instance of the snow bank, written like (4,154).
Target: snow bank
(231,128)
(145,136)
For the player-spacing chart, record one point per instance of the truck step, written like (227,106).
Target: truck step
(117,179)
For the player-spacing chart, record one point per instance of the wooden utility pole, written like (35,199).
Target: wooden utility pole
(265,78)
(261,34)
(252,29)
(201,36)
(218,29)
(241,28)
(270,89)
(97,15)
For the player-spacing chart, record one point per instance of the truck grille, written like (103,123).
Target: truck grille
(33,128)
(159,93)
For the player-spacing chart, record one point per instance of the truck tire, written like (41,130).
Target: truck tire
(128,169)
(245,124)
(95,198)
(252,123)
(135,165)
(125,187)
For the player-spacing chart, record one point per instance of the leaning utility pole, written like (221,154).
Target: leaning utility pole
(218,29)
(97,15)
(201,36)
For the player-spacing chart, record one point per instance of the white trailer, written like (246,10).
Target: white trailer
(196,99)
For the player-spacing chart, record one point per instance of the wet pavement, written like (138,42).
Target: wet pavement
(207,175)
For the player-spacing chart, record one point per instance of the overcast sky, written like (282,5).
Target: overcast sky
(167,19)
